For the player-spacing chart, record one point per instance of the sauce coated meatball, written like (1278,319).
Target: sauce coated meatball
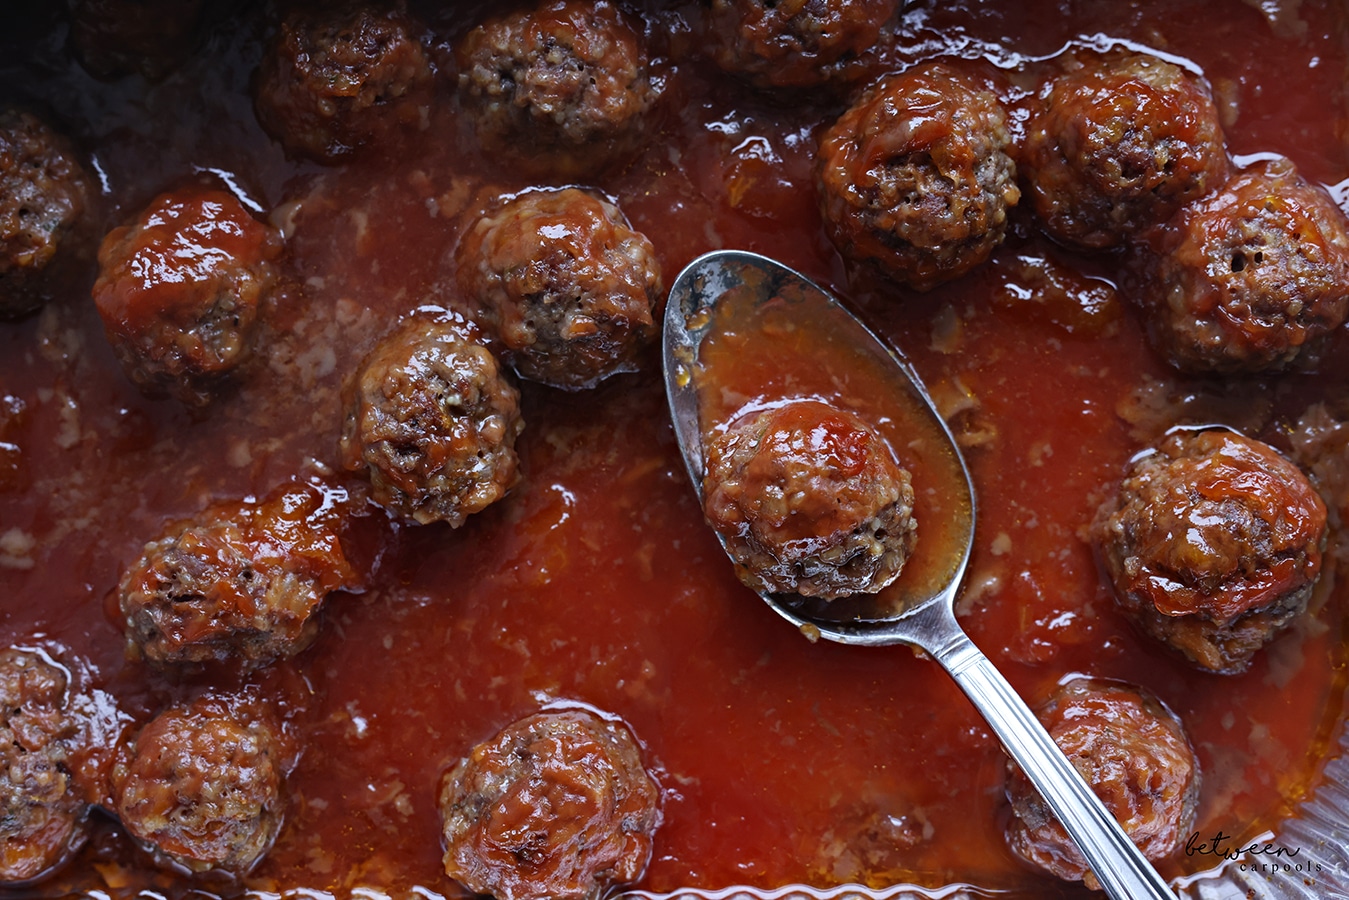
(112,38)
(1212,544)
(1133,752)
(799,43)
(201,787)
(43,192)
(809,500)
(1120,143)
(339,80)
(179,288)
(555,807)
(914,177)
(565,88)
(42,811)
(239,583)
(432,418)
(1252,278)
(566,285)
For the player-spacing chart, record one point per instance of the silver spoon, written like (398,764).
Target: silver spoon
(734,287)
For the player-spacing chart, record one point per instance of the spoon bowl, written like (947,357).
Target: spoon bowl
(731,311)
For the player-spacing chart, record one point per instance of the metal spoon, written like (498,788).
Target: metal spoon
(732,286)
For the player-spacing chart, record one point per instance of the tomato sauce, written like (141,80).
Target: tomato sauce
(596,580)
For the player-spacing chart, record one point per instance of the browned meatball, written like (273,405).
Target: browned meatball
(797,43)
(121,37)
(809,500)
(339,80)
(43,192)
(240,583)
(42,810)
(913,178)
(1120,143)
(1212,544)
(201,786)
(555,807)
(564,88)
(431,417)
(1252,278)
(1133,752)
(566,285)
(179,288)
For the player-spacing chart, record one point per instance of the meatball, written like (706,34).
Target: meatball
(1252,278)
(556,806)
(1212,544)
(809,500)
(239,583)
(431,417)
(914,178)
(42,811)
(795,44)
(565,88)
(1120,143)
(179,289)
(340,80)
(43,192)
(1133,752)
(112,38)
(201,785)
(566,285)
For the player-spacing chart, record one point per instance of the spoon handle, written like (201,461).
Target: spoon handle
(1123,871)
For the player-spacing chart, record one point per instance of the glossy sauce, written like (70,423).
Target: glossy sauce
(596,581)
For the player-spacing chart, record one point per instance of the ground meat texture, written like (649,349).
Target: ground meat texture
(201,786)
(433,420)
(564,89)
(179,289)
(1212,543)
(1133,752)
(914,177)
(43,192)
(112,38)
(1119,144)
(800,43)
(555,807)
(341,80)
(567,286)
(42,811)
(242,582)
(1252,278)
(809,500)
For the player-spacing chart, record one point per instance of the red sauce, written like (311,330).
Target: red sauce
(596,580)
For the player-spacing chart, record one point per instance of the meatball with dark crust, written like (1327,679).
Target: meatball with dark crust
(1253,278)
(43,193)
(239,583)
(112,38)
(793,43)
(1212,544)
(1134,754)
(809,500)
(340,80)
(914,178)
(201,787)
(1119,144)
(432,418)
(555,807)
(566,285)
(42,809)
(563,89)
(179,289)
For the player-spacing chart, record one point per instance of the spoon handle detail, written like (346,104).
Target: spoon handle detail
(1123,871)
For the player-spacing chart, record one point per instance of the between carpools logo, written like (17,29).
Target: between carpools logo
(1258,856)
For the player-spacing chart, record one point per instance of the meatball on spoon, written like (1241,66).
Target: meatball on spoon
(740,326)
